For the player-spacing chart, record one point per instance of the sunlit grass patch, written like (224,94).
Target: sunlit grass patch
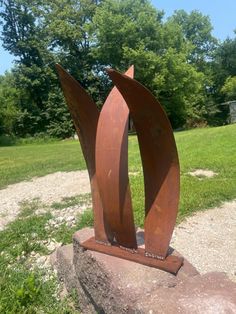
(25,286)
(23,162)
(73,201)
(210,149)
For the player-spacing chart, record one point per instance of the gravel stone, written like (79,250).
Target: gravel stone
(50,188)
(70,218)
(53,245)
(208,240)
(203,173)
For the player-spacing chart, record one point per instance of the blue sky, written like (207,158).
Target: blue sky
(221,13)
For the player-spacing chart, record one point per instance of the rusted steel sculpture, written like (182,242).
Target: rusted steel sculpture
(160,163)
(112,168)
(104,142)
(85,116)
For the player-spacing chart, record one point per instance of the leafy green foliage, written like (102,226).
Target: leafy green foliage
(132,32)
(59,124)
(223,67)
(9,104)
(29,291)
(229,88)
(196,28)
(178,59)
(34,75)
(122,24)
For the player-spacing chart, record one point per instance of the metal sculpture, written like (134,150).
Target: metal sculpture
(85,116)
(160,163)
(104,142)
(112,168)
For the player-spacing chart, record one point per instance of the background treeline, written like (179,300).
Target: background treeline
(189,70)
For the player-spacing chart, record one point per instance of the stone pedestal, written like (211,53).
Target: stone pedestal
(106,284)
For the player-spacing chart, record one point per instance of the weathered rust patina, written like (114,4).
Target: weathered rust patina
(112,168)
(85,116)
(104,142)
(160,163)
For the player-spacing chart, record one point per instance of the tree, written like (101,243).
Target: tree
(33,77)
(25,36)
(68,24)
(132,32)
(172,58)
(229,88)
(224,65)
(226,56)
(9,104)
(196,29)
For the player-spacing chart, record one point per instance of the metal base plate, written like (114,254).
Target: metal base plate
(170,264)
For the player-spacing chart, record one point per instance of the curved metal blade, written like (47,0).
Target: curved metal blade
(159,159)
(112,167)
(85,116)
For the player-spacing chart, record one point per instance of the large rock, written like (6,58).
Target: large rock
(106,284)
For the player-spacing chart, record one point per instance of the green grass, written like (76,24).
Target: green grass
(213,149)
(209,148)
(64,234)
(24,287)
(72,201)
(22,162)
(6,140)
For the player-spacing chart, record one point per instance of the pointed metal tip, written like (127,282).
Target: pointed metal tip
(59,68)
(62,73)
(112,73)
(129,73)
(110,70)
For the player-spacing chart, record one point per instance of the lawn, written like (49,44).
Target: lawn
(22,162)
(208,148)
(25,286)
(213,149)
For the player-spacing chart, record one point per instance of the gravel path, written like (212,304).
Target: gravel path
(50,188)
(207,239)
